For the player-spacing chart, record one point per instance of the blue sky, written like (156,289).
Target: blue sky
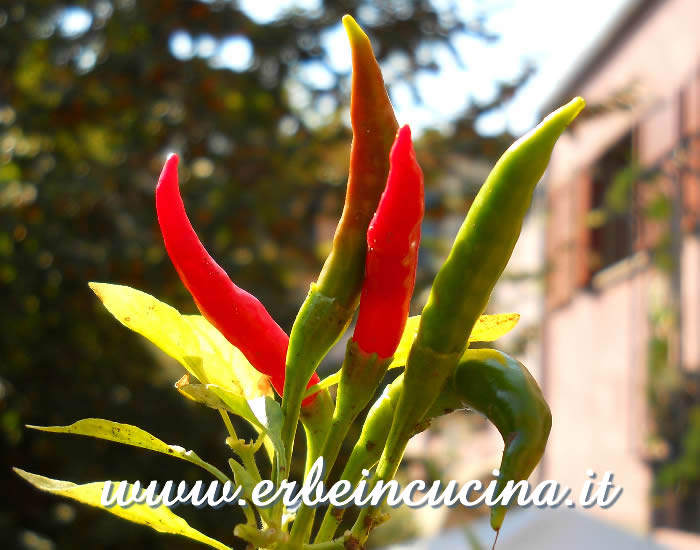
(553,34)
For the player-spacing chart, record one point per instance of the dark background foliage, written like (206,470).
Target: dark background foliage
(85,122)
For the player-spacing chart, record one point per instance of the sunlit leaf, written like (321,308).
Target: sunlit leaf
(233,368)
(130,435)
(190,339)
(487,329)
(491,327)
(160,518)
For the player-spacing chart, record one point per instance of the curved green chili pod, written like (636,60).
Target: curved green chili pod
(464,283)
(485,380)
(332,301)
(504,391)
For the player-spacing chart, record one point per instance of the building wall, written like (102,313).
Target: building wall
(657,58)
(594,385)
(596,331)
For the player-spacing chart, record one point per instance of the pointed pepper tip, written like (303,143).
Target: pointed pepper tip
(573,108)
(354,31)
(169,171)
(402,141)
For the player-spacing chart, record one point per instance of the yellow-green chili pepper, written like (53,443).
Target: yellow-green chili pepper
(463,285)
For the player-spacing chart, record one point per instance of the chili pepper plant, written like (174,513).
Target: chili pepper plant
(238,361)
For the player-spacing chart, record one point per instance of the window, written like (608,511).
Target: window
(610,219)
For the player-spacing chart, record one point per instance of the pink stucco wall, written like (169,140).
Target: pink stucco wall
(595,382)
(595,341)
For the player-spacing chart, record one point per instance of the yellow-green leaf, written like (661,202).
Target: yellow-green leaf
(487,329)
(131,435)
(233,369)
(491,327)
(190,339)
(409,334)
(160,518)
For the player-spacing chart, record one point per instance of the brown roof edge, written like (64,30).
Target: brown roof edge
(616,31)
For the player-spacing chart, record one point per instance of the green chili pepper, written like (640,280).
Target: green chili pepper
(463,285)
(485,380)
(504,391)
(365,453)
(488,235)
(331,302)
(368,449)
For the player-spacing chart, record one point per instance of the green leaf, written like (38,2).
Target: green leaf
(130,435)
(160,518)
(200,394)
(190,339)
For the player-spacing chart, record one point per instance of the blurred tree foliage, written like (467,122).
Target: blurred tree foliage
(87,115)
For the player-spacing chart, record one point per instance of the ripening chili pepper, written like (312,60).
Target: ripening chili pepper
(464,283)
(374,129)
(504,391)
(238,315)
(332,300)
(390,273)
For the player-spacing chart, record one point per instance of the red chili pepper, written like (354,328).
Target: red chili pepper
(238,315)
(392,253)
